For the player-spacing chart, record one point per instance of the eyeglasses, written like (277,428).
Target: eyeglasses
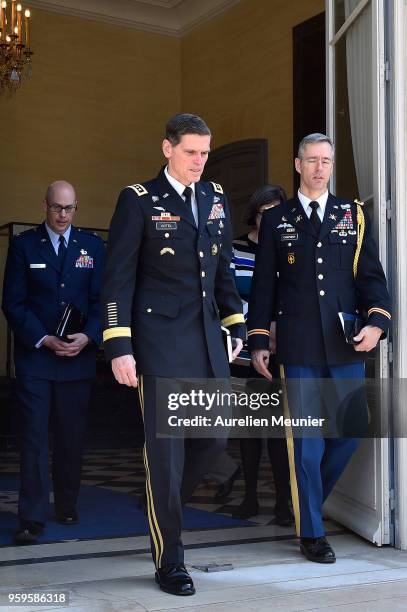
(58,208)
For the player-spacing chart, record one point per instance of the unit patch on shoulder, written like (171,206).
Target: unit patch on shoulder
(216,187)
(139,189)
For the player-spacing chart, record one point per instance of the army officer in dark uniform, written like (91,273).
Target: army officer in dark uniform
(167,290)
(316,258)
(49,267)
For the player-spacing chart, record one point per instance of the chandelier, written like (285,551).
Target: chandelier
(15,52)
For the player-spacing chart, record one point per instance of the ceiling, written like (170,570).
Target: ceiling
(170,17)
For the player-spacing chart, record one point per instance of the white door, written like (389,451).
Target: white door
(356,107)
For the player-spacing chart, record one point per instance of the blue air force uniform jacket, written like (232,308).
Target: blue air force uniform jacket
(36,292)
(303,281)
(168,285)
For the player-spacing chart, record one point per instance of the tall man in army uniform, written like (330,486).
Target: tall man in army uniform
(167,290)
(49,267)
(317,257)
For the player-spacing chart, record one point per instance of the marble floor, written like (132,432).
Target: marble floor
(263,571)
(260,567)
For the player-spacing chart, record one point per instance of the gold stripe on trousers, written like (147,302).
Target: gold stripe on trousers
(291,457)
(152,517)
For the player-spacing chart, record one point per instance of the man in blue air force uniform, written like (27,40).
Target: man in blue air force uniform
(47,268)
(166,291)
(316,258)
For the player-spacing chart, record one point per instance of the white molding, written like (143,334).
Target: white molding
(330,80)
(399,159)
(193,13)
(168,17)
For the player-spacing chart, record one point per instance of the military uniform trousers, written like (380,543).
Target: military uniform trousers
(65,403)
(319,461)
(174,467)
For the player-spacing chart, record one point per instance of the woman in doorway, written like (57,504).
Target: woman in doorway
(245,249)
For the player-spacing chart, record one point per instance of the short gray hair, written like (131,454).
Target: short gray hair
(311,139)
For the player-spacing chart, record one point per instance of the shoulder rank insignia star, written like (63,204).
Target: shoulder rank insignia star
(333,217)
(155,198)
(139,189)
(217,187)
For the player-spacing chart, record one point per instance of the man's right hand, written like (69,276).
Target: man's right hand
(55,344)
(260,361)
(124,370)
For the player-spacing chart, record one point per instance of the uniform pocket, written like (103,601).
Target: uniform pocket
(342,251)
(152,302)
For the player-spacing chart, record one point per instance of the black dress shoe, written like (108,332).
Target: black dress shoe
(249,507)
(283,516)
(28,533)
(174,579)
(67,518)
(318,550)
(226,487)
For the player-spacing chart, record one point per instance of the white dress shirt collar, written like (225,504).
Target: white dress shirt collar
(305,202)
(179,187)
(54,237)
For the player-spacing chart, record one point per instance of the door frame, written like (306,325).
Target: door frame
(399,211)
(381,449)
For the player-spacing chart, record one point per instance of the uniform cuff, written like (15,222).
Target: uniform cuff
(238,331)
(117,347)
(258,339)
(378,319)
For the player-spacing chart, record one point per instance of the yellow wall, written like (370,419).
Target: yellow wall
(92,113)
(237,72)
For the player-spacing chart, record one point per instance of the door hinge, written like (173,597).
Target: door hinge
(392,499)
(389,209)
(387,71)
(390,352)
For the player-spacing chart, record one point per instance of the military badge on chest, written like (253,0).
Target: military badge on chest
(84,261)
(345,225)
(165,221)
(291,258)
(217,210)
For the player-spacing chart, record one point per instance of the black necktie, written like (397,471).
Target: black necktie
(61,250)
(188,199)
(314,218)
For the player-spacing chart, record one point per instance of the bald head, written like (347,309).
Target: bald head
(56,189)
(59,206)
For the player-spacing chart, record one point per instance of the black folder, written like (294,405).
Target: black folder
(227,341)
(351,325)
(72,321)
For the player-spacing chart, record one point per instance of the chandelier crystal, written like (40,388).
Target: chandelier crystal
(15,51)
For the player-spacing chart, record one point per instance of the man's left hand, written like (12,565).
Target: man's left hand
(239,346)
(79,341)
(370,336)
